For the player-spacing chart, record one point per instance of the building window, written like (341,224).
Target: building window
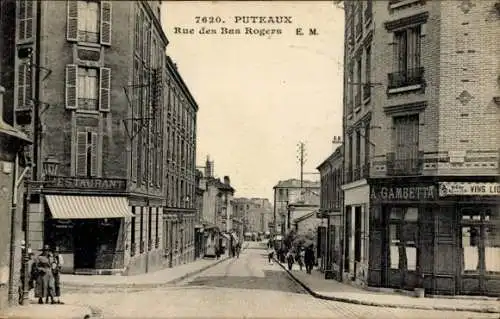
(359,20)
(25,20)
(406,155)
(350,89)
(357,169)
(88,86)
(349,158)
(480,240)
(157,237)
(150,228)
(407,53)
(403,238)
(366,166)
(132,233)
(88,21)
(358,85)
(141,230)
(368,66)
(87,154)
(24,88)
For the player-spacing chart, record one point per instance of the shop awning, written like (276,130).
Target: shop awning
(87,207)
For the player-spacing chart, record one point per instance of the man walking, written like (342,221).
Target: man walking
(309,259)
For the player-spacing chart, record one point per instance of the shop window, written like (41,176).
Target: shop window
(480,240)
(132,233)
(403,238)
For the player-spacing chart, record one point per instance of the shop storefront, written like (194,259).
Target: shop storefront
(439,235)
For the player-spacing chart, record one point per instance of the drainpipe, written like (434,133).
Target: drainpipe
(13,213)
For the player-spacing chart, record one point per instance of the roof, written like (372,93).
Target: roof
(337,154)
(293,182)
(172,67)
(306,216)
(11,131)
(219,184)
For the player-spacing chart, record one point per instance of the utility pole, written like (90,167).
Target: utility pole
(302,159)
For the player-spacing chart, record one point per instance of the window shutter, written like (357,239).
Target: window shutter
(29,20)
(71,86)
(81,154)
(104,88)
(106,22)
(72,21)
(21,13)
(23,86)
(93,156)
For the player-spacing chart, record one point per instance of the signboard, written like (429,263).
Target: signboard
(105,184)
(404,192)
(470,189)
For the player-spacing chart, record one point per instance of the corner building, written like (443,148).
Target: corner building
(417,134)
(98,79)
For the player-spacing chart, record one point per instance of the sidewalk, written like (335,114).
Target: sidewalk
(32,311)
(155,279)
(319,287)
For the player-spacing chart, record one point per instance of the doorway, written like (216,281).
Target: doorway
(357,239)
(85,244)
(347,238)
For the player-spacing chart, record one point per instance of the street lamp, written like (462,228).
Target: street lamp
(51,166)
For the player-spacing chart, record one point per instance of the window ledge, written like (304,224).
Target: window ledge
(405,89)
(88,44)
(403,3)
(357,109)
(367,100)
(87,112)
(368,22)
(406,108)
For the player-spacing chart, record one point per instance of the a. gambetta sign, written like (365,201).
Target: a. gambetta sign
(87,183)
(404,192)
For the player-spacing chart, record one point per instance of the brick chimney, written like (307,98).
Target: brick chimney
(227,181)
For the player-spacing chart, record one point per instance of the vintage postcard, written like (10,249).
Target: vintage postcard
(250,159)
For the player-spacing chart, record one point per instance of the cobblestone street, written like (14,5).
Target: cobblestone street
(247,287)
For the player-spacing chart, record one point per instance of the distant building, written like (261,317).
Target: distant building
(256,213)
(291,192)
(331,207)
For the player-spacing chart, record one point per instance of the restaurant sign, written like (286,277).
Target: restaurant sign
(470,189)
(103,184)
(411,193)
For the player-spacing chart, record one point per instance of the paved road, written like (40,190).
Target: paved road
(247,287)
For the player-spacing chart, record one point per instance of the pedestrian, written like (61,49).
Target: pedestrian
(300,257)
(309,259)
(270,254)
(238,249)
(217,252)
(44,280)
(290,259)
(56,271)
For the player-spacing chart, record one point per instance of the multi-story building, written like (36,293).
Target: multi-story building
(430,204)
(256,213)
(331,203)
(217,208)
(12,170)
(292,191)
(180,175)
(96,96)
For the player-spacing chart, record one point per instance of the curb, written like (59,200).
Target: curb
(378,304)
(146,285)
(86,313)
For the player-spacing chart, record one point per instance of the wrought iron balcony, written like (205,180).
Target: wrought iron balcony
(88,104)
(87,36)
(404,167)
(366,90)
(406,78)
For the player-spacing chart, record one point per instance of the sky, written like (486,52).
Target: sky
(259,96)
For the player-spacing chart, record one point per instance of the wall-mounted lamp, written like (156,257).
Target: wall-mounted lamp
(51,166)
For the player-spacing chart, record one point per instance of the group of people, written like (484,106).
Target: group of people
(45,276)
(304,257)
(235,249)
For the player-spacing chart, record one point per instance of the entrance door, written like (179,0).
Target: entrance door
(85,244)
(357,239)
(347,238)
(479,248)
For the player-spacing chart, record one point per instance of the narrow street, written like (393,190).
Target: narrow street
(247,287)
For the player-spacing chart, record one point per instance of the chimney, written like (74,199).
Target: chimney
(227,181)
(209,168)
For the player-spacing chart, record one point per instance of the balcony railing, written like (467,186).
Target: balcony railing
(366,91)
(406,78)
(404,167)
(88,104)
(87,36)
